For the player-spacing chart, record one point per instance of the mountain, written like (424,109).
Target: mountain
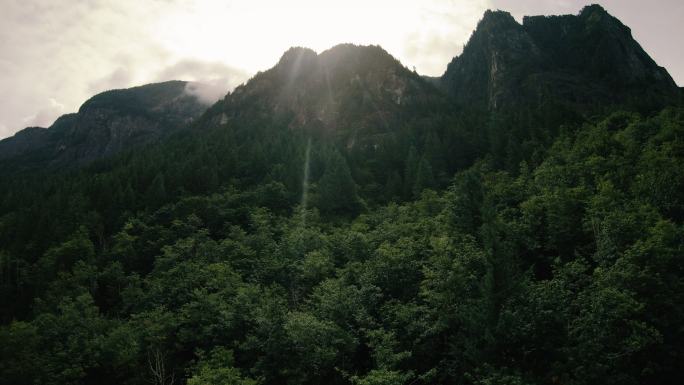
(570,65)
(349,92)
(105,125)
(582,62)
(339,219)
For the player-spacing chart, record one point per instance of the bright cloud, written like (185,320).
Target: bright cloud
(45,115)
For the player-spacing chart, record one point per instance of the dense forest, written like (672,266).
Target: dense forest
(535,245)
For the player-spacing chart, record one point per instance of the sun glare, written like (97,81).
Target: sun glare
(252,34)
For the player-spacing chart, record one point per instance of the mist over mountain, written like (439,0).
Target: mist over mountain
(340,219)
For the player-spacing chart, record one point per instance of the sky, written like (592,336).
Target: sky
(54,55)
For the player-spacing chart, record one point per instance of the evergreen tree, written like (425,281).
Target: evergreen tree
(410,171)
(156,193)
(424,177)
(336,188)
(393,186)
(434,152)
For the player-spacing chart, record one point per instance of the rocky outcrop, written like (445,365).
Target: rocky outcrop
(581,61)
(498,57)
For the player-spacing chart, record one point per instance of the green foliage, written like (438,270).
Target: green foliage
(382,377)
(559,267)
(217,369)
(424,177)
(336,188)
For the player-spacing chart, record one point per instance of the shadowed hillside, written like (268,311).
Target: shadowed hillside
(339,219)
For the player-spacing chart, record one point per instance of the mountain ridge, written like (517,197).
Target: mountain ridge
(342,91)
(579,61)
(361,94)
(106,124)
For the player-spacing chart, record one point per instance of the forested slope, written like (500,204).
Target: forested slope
(340,220)
(568,271)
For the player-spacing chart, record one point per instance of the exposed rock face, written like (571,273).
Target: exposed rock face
(498,56)
(581,61)
(106,124)
(341,92)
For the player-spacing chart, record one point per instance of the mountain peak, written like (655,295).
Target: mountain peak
(296,62)
(347,91)
(297,54)
(593,9)
(582,61)
(144,97)
(497,19)
(494,54)
(350,48)
(358,58)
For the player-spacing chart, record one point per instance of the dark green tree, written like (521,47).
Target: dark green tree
(424,177)
(336,188)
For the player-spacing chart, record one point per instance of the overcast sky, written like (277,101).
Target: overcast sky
(56,54)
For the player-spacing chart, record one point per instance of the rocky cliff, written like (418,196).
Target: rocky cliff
(580,61)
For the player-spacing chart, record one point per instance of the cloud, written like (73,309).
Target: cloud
(71,50)
(208,92)
(68,51)
(443,28)
(119,78)
(520,8)
(46,115)
(5,131)
(210,81)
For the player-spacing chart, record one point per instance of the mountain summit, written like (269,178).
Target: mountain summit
(580,60)
(339,92)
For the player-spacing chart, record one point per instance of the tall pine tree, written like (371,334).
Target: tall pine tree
(337,189)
